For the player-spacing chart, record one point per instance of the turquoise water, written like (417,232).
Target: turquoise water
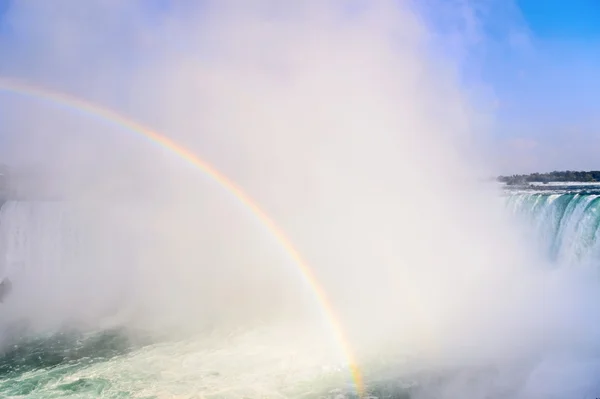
(109,365)
(40,366)
(565,225)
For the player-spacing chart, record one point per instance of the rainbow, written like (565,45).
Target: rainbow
(36,92)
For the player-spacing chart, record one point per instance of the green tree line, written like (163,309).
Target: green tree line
(565,176)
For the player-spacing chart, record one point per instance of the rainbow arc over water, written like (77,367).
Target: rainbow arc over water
(39,93)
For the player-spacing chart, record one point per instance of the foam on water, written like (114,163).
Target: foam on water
(100,347)
(258,363)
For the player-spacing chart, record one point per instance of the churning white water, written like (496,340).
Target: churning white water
(95,347)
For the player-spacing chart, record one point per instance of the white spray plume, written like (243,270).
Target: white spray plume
(337,119)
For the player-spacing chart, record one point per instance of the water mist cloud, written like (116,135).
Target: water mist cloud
(334,116)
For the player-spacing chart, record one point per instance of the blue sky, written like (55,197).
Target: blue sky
(541,60)
(576,20)
(547,84)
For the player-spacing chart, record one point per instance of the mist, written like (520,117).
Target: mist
(349,131)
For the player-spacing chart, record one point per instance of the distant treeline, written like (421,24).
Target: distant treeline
(566,176)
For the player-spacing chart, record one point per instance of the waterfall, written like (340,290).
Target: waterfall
(61,264)
(565,225)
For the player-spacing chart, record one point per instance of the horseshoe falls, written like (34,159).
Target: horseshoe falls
(99,349)
(565,225)
(77,323)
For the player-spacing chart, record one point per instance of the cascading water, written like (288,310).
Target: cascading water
(54,253)
(39,239)
(45,246)
(565,225)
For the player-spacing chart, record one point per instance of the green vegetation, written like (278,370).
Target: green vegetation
(566,176)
